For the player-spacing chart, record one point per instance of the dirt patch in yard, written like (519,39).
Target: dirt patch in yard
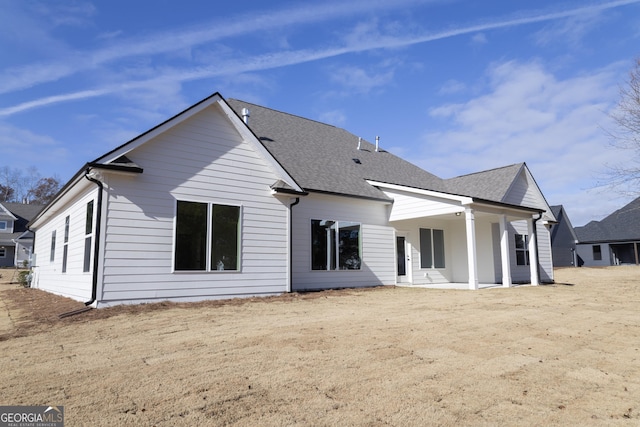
(566,354)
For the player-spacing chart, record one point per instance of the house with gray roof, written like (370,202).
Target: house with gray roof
(229,199)
(563,239)
(614,240)
(16,241)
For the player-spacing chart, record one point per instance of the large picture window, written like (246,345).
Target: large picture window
(335,245)
(431,248)
(522,249)
(207,237)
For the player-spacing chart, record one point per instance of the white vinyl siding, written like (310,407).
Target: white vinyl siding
(205,160)
(377,240)
(74,283)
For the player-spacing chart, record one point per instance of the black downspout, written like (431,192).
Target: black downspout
(291,243)
(535,233)
(96,244)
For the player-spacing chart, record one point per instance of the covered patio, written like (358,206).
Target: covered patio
(472,226)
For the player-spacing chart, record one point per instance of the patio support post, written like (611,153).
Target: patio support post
(471,248)
(533,253)
(504,252)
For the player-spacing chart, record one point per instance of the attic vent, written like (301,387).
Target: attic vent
(356,161)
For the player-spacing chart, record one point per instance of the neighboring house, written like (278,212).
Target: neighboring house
(231,199)
(563,239)
(614,240)
(16,242)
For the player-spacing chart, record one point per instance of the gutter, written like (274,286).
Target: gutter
(291,243)
(96,243)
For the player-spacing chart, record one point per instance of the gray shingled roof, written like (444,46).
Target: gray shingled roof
(325,158)
(492,184)
(622,225)
(23,212)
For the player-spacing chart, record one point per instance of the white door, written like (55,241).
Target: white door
(403,259)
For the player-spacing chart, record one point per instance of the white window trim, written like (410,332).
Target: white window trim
(209,268)
(433,249)
(337,255)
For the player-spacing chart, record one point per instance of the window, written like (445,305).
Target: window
(522,249)
(66,245)
(88,231)
(52,255)
(431,248)
(597,253)
(335,245)
(3,252)
(3,225)
(207,237)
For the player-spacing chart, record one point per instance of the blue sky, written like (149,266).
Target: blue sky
(453,86)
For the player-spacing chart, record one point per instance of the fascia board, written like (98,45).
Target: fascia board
(462,199)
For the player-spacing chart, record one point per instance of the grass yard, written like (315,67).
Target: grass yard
(564,354)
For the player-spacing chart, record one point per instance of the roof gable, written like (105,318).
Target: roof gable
(560,213)
(493,184)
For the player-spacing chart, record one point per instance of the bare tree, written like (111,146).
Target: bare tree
(626,177)
(26,187)
(6,193)
(10,180)
(44,190)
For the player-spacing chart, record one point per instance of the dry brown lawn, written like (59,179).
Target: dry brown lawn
(563,354)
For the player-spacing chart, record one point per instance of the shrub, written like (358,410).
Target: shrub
(24,278)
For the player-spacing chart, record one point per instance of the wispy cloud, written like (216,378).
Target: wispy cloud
(166,42)
(529,114)
(170,41)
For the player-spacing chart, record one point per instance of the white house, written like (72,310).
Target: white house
(230,199)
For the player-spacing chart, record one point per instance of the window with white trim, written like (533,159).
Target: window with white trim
(3,225)
(88,231)
(207,237)
(431,248)
(65,247)
(522,249)
(335,245)
(52,254)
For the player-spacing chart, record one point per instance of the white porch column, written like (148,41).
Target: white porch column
(533,253)
(504,252)
(471,248)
